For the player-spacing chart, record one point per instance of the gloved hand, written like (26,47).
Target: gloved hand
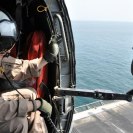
(52,51)
(45,107)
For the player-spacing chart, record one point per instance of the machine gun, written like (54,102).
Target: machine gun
(96,94)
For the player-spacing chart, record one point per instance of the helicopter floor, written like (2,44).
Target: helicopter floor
(115,117)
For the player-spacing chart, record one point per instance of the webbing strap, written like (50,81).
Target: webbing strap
(18,16)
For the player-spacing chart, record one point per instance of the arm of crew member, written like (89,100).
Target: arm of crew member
(29,68)
(15,108)
(35,66)
(18,69)
(32,68)
(31,106)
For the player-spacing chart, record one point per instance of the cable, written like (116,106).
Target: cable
(50,122)
(58,115)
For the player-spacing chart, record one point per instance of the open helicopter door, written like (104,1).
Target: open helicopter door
(52,19)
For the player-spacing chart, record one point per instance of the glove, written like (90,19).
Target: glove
(52,51)
(45,107)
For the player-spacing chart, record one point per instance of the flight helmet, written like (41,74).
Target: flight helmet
(8,31)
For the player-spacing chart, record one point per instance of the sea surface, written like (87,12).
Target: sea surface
(103,56)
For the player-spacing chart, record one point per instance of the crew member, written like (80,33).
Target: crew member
(19,113)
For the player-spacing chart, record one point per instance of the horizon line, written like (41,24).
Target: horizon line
(100,21)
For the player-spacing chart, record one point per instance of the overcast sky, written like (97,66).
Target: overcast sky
(101,10)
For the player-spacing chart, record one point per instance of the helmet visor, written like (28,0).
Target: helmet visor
(8,29)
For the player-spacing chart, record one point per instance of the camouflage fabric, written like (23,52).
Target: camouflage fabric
(14,116)
(18,69)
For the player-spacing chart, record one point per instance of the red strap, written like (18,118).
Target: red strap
(36,50)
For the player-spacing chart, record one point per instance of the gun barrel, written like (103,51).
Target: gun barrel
(102,95)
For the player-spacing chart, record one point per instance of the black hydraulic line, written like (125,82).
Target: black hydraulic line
(102,95)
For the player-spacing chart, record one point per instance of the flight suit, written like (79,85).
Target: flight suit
(18,69)
(13,108)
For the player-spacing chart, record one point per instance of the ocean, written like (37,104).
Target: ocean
(103,56)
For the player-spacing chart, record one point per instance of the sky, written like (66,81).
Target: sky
(100,10)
